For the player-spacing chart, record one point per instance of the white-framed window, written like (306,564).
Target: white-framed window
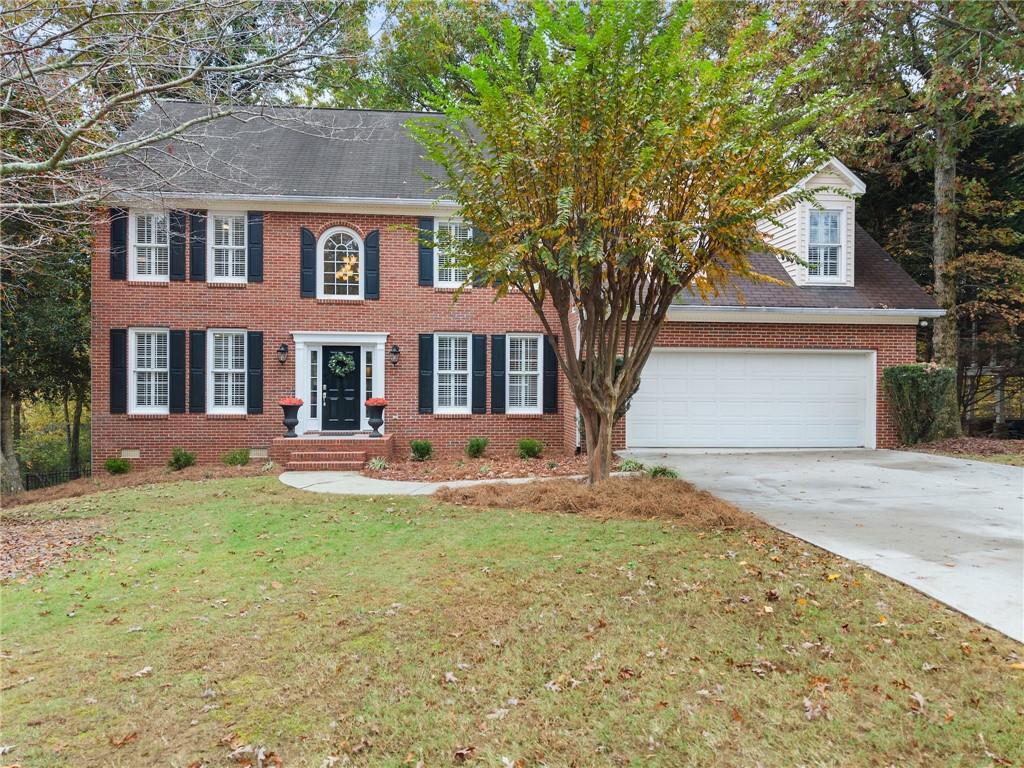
(225,389)
(225,247)
(149,236)
(525,366)
(825,246)
(452,366)
(340,265)
(314,383)
(149,359)
(446,274)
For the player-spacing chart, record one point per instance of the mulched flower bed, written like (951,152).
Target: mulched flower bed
(28,548)
(980,446)
(486,468)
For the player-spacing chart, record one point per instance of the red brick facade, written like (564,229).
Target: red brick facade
(404,310)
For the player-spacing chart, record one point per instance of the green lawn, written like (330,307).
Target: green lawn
(392,631)
(1013,459)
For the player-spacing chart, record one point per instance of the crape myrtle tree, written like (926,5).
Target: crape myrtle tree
(612,161)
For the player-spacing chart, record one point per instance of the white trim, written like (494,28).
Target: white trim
(133,407)
(211,276)
(840,275)
(320,264)
(468,408)
(410,206)
(439,252)
(871,380)
(810,315)
(133,259)
(859,187)
(226,409)
(308,340)
(539,408)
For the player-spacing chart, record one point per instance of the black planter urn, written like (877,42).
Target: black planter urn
(375,418)
(291,418)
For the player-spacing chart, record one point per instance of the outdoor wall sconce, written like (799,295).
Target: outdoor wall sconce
(395,352)
(282,353)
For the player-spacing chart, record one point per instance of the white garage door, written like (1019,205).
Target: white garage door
(747,399)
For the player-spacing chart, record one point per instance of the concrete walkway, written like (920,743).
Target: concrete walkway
(356,484)
(951,528)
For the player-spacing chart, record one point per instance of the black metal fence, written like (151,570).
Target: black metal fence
(33,480)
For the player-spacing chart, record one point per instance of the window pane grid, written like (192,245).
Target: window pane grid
(523,372)
(314,384)
(823,252)
(151,369)
(228,369)
(450,232)
(452,372)
(341,265)
(152,253)
(229,259)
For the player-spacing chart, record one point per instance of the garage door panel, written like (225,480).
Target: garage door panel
(690,398)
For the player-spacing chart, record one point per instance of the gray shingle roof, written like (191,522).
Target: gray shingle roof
(364,154)
(878,283)
(279,151)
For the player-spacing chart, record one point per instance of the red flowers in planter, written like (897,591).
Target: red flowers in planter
(290,401)
(377,401)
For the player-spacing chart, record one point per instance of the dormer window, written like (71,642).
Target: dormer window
(825,247)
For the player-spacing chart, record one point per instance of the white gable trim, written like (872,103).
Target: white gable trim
(858,187)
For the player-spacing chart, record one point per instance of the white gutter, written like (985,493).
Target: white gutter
(842,311)
(129,196)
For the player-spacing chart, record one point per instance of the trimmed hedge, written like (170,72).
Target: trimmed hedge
(923,400)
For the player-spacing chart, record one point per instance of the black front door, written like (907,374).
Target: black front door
(341,393)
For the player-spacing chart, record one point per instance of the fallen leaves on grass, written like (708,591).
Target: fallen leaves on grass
(641,498)
(105,482)
(29,548)
(979,446)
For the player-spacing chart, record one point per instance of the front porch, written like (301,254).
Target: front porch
(318,452)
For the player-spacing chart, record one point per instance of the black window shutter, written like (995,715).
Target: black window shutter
(176,226)
(479,237)
(197,245)
(176,372)
(550,375)
(197,371)
(254,246)
(371,264)
(426,386)
(498,373)
(118,370)
(118,244)
(307,264)
(479,373)
(254,372)
(426,240)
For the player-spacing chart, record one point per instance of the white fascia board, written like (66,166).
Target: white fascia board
(302,203)
(842,316)
(859,187)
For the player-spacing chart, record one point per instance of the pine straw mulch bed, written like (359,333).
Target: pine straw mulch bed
(27,548)
(485,468)
(102,481)
(621,498)
(979,446)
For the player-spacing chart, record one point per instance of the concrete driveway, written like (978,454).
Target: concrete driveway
(953,529)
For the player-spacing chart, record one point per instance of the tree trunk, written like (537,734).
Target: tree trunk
(74,447)
(945,333)
(598,428)
(10,479)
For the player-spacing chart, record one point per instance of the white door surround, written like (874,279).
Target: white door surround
(754,398)
(307,342)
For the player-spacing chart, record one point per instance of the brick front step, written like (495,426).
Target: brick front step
(359,456)
(324,466)
(319,449)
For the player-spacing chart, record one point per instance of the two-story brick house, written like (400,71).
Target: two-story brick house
(232,268)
